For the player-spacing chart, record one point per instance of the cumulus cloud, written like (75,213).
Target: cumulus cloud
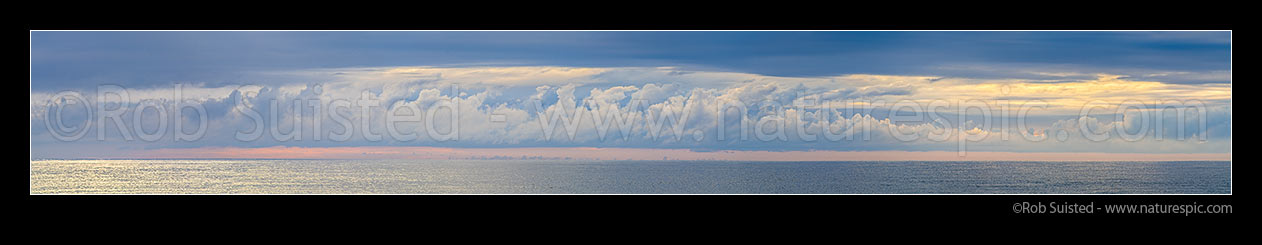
(657,107)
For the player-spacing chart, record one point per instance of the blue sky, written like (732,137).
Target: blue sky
(63,60)
(505,69)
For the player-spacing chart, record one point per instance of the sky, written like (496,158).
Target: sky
(510,87)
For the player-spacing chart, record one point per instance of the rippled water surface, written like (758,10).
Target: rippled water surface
(460,176)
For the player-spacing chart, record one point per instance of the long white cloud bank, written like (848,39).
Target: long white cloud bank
(641,107)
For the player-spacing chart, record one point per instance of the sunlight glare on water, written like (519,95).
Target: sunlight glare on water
(625,177)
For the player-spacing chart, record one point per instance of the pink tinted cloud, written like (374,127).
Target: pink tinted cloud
(410,152)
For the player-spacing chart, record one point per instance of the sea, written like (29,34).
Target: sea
(624,177)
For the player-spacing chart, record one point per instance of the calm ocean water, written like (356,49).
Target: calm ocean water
(469,176)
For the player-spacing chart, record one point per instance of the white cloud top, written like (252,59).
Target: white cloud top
(656,107)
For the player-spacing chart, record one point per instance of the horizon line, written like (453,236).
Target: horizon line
(629,154)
